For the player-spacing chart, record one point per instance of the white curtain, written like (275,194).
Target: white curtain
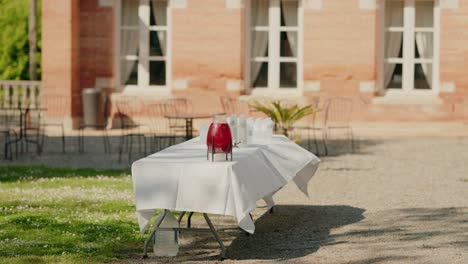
(424,41)
(259,16)
(393,15)
(160,14)
(129,38)
(290,18)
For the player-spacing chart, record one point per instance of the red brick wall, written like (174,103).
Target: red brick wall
(60,51)
(454,58)
(96,42)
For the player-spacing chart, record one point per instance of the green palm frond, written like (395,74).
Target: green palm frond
(284,117)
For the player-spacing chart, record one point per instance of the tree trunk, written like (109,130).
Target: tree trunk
(32,39)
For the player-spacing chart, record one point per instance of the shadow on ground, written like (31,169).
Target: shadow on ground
(296,233)
(93,156)
(339,147)
(292,231)
(410,235)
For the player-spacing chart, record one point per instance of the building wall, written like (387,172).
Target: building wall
(60,53)
(207,50)
(454,59)
(96,44)
(340,55)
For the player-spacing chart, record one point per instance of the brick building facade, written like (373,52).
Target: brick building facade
(203,49)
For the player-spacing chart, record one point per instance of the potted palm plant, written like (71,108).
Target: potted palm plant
(284,117)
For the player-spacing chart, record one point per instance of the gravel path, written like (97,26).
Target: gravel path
(393,201)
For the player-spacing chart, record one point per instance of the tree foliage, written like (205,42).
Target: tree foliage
(14,45)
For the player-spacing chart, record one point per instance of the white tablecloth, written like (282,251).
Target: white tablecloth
(181,178)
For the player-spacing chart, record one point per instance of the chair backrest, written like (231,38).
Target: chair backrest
(9,118)
(226,104)
(338,112)
(182,106)
(129,109)
(57,105)
(156,111)
(234,106)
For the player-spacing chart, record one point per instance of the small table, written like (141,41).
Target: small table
(188,122)
(23,122)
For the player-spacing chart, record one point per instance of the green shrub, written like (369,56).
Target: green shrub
(14,46)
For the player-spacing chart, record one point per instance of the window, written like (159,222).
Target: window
(143,43)
(275,48)
(410,53)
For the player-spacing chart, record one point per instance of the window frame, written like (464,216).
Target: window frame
(408,59)
(274,59)
(144,58)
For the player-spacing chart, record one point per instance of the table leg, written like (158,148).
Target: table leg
(153,232)
(189,220)
(211,229)
(216,235)
(188,128)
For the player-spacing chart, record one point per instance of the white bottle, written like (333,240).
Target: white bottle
(250,128)
(269,130)
(166,243)
(242,130)
(232,122)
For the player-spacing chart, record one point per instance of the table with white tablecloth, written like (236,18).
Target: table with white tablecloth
(181,178)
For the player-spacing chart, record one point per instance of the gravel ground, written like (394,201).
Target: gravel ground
(392,201)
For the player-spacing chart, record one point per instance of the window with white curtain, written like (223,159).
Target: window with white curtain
(143,43)
(275,33)
(409,47)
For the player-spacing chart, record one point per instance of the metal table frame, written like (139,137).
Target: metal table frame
(212,229)
(189,228)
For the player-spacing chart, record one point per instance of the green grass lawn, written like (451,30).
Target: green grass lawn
(52,215)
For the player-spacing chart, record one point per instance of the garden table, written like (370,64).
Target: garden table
(181,178)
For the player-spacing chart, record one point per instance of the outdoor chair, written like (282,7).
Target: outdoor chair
(55,117)
(161,135)
(234,106)
(130,110)
(9,126)
(101,125)
(337,117)
(310,125)
(177,107)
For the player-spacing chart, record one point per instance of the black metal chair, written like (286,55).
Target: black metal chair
(161,133)
(130,112)
(9,126)
(55,118)
(311,127)
(177,107)
(337,117)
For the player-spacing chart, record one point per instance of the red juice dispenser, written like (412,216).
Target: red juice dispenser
(219,138)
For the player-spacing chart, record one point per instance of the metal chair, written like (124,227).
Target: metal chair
(56,117)
(161,135)
(9,125)
(337,116)
(178,107)
(130,111)
(234,106)
(311,125)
